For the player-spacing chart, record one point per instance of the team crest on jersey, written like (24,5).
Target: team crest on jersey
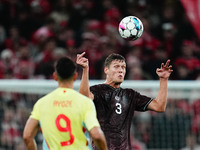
(117,98)
(107,97)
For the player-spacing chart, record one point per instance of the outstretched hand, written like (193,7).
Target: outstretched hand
(165,70)
(82,61)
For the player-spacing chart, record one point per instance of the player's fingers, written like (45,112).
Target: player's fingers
(158,70)
(83,53)
(84,60)
(167,63)
(80,55)
(162,65)
(77,58)
(170,67)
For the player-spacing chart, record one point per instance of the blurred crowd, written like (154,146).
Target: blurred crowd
(36,33)
(176,129)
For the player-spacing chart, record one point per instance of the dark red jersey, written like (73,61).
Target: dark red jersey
(115,109)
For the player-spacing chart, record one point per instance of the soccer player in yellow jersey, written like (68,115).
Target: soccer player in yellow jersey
(64,116)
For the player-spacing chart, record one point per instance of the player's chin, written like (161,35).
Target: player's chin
(119,81)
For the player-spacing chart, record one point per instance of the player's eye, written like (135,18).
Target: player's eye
(116,66)
(123,67)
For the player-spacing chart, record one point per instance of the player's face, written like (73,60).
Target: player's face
(116,71)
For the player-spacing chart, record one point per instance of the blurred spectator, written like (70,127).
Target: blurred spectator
(14,39)
(10,134)
(137,145)
(142,126)
(45,59)
(22,113)
(45,69)
(168,37)
(114,39)
(160,56)
(112,17)
(149,43)
(65,34)
(83,11)
(7,63)
(26,23)
(25,63)
(186,63)
(95,27)
(20,145)
(61,13)
(40,8)
(184,106)
(90,46)
(196,120)
(2,35)
(9,12)
(169,12)
(106,49)
(195,106)
(135,71)
(169,129)
(71,49)
(44,32)
(58,53)
(191,143)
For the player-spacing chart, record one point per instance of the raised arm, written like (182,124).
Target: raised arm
(159,104)
(84,86)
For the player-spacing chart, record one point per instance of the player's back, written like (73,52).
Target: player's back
(61,116)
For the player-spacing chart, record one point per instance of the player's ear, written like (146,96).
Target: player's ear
(106,70)
(55,76)
(75,76)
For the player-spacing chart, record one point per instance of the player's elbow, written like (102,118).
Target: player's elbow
(96,133)
(100,142)
(98,138)
(156,106)
(161,108)
(27,137)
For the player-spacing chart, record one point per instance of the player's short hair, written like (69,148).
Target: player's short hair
(112,57)
(65,68)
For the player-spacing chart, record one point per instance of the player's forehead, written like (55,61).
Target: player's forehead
(118,62)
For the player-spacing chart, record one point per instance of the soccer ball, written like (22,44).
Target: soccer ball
(130,28)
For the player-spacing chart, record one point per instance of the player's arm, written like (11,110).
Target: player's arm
(159,104)
(84,86)
(98,138)
(30,131)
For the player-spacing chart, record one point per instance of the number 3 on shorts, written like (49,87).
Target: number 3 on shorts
(65,129)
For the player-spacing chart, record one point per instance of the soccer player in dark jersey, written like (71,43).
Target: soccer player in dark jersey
(115,106)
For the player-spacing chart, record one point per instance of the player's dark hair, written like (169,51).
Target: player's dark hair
(65,68)
(112,57)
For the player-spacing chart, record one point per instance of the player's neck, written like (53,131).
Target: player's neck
(113,84)
(65,85)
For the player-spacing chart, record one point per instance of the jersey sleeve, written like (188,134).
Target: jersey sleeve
(35,111)
(95,91)
(142,102)
(90,116)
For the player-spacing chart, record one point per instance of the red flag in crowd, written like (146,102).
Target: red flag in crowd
(192,9)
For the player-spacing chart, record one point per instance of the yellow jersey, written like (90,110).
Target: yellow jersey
(65,116)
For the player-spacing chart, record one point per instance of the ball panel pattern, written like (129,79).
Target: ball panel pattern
(131,28)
